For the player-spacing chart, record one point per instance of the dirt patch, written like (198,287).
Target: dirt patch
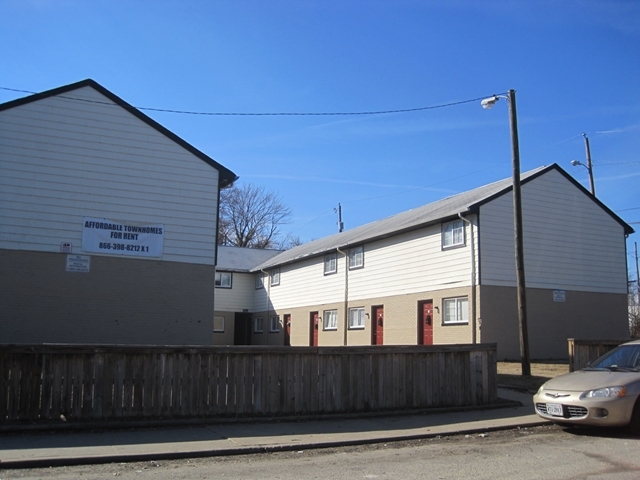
(510,374)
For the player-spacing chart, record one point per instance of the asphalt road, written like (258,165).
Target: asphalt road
(535,453)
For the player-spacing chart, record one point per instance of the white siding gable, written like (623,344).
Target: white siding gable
(570,242)
(63,159)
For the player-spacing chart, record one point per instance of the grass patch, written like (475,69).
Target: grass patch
(510,374)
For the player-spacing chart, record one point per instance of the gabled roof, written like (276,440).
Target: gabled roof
(239,259)
(430,214)
(226,177)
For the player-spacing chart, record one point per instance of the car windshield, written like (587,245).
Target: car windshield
(624,357)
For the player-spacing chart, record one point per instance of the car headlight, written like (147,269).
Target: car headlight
(606,392)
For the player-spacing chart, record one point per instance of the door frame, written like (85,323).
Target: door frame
(314,326)
(286,319)
(421,321)
(376,326)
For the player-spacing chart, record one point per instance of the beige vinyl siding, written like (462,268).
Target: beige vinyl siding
(239,296)
(410,263)
(569,241)
(64,159)
(404,264)
(304,283)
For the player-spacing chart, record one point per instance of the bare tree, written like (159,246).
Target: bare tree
(634,309)
(251,216)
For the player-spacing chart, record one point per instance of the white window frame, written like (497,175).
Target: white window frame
(221,320)
(455,311)
(356,257)
(330,320)
(356,318)
(453,234)
(330,264)
(259,280)
(258,325)
(274,277)
(220,276)
(274,324)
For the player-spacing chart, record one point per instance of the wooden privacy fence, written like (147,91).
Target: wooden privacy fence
(581,352)
(89,383)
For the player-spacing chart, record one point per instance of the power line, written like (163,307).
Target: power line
(272,114)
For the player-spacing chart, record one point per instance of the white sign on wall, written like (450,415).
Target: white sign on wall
(100,235)
(78,263)
(559,296)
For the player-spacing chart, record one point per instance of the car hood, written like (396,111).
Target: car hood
(589,380)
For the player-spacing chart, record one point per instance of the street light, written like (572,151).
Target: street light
(588,166)
(517,226)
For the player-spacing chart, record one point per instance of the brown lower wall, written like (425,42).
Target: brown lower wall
(120,301)
(585,315)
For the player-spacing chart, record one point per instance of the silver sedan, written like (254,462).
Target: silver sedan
(605,393)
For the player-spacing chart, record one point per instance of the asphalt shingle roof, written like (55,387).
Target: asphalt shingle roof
(239,259)
(436,212)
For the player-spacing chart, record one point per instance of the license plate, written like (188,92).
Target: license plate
(554,409)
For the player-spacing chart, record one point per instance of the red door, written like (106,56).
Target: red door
(425,328)
(378,324)
(313,337)
(287,329)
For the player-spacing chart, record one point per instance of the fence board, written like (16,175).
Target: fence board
(581,352)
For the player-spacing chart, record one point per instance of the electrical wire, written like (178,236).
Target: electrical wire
(272,114)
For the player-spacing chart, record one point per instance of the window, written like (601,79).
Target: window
(274,323)
(330,319)
(258,326)
(274,277)
(356,257)
(453,234)
(356,317)
(330,264)
(218,324)
(456,310)
(259,280)
(223,279)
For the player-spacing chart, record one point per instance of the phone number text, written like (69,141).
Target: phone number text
(123,247)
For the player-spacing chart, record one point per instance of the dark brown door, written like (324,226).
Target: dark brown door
(242,329)
(377,313)
(313,337)
(425,327)
(287,329)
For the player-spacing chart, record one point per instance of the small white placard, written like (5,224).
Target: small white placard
(66,247)
(559,296)
(78,263)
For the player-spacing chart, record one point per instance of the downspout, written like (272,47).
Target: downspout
(267,289)
(346,294)
(473,279)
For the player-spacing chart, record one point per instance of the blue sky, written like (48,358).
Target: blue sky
(575,65)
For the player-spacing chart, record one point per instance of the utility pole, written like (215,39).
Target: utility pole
(637,277)
(589,166)
(339,212)
(521,290)
(519,244)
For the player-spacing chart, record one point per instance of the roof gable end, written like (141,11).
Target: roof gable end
(227,177)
